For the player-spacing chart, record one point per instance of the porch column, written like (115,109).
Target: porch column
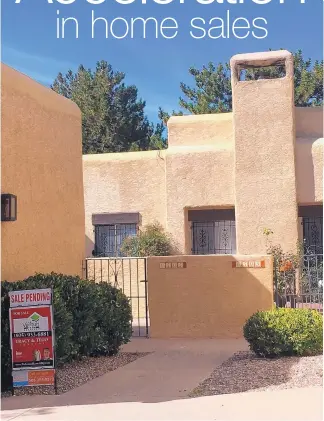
(264,130)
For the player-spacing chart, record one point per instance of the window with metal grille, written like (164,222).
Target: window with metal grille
(109,238)
(313,234)
(213,237)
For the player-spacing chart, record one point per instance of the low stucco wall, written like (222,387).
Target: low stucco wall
(209,298)
(42,165)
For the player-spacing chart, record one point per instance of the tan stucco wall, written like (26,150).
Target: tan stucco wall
(198,178)
(124,182)
(42,165)
(309,122)
(209,298)
(273,164)
(163,185)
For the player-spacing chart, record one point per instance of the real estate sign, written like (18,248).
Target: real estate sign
(32,338)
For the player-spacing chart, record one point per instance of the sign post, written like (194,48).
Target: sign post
(32,338)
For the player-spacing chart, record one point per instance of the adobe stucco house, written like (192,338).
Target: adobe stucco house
(224,177)
(41,171)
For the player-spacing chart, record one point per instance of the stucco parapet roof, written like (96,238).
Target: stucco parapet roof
(200,118)
(19,82)
(216,148)
(124,156)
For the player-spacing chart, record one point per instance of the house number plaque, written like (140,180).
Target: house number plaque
(173,265)
(257,264)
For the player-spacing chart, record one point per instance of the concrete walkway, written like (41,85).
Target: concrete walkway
(170,372)
(156,387)
(283,405)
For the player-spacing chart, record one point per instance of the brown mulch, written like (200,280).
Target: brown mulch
(76,373)
(244,372)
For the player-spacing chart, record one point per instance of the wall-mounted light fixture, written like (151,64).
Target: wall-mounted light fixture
(8,207)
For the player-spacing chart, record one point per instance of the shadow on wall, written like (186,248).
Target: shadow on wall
(207,296)
(306,179)
(89,246)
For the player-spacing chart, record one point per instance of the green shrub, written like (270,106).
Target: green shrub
(284,331)
(90,319)
(151,241)
(113,326)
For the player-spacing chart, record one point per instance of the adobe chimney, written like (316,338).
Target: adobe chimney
(264,130)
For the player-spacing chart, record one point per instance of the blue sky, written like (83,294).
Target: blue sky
(155,66)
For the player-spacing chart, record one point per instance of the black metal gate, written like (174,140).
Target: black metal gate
(130,275)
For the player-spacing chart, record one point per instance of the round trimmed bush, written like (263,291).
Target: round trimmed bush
(285,331)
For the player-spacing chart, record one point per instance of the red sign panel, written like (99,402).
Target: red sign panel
(32,337)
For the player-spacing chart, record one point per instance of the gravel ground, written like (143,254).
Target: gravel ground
(76,373)
(245,372)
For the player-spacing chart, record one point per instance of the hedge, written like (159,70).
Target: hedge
(91,319)
(285,331)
